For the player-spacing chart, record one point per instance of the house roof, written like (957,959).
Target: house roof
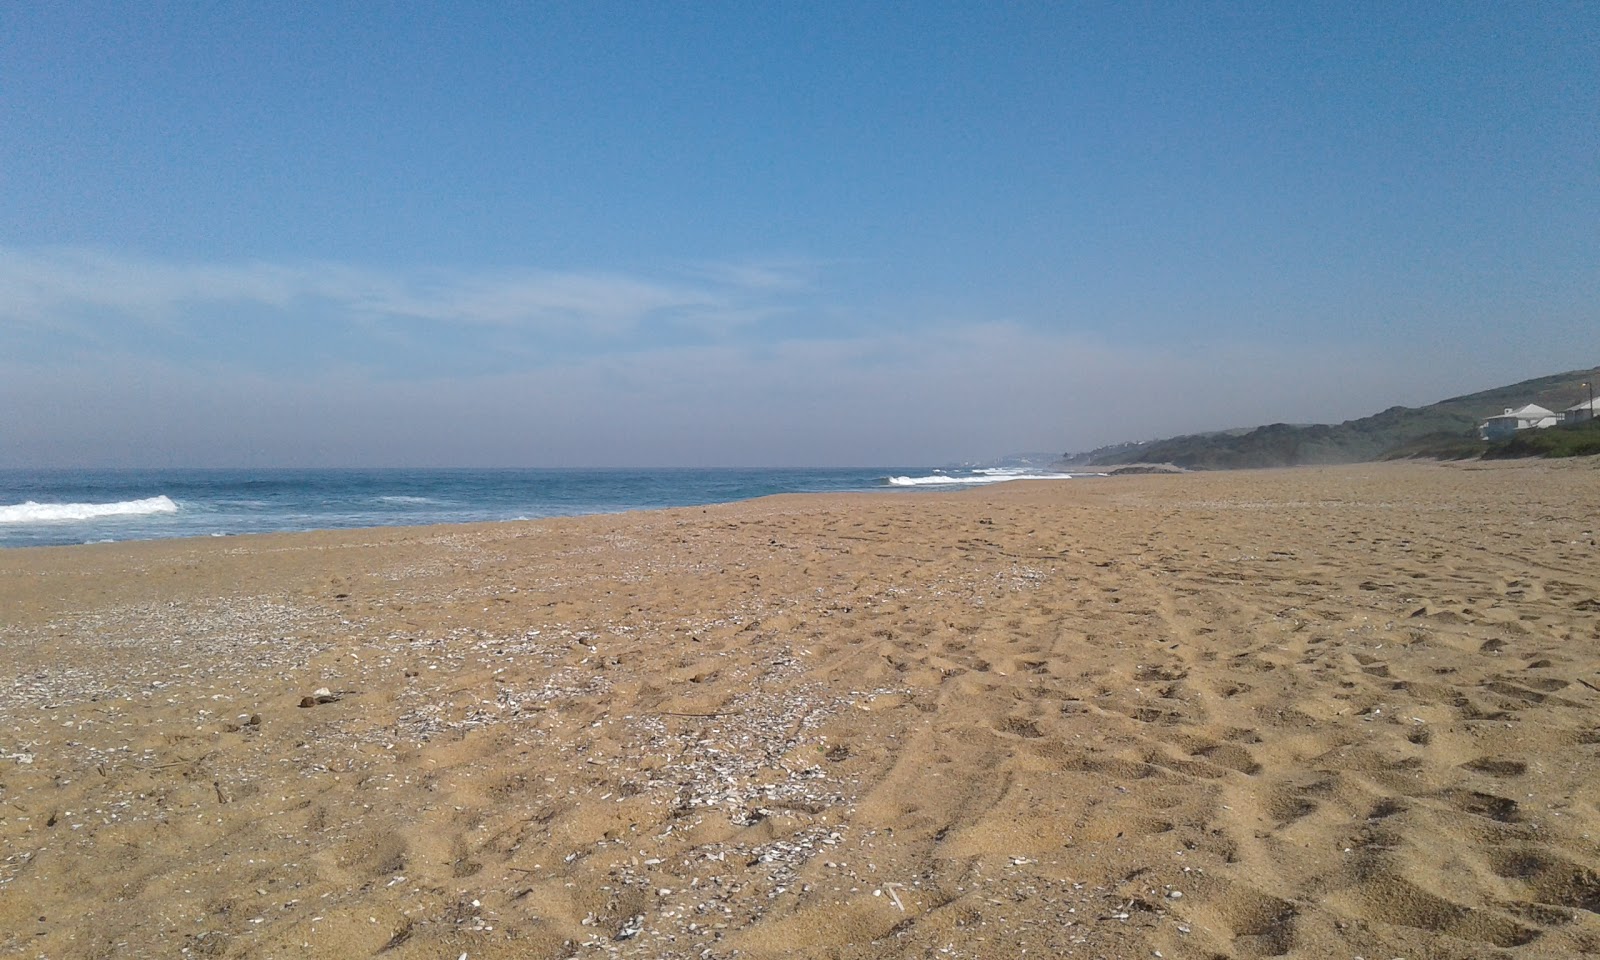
(1585,405)
(1529,412)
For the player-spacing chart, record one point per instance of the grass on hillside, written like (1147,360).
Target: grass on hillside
(1566,440)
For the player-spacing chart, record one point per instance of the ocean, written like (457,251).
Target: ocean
(57,507)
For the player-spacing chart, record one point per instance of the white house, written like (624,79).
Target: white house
(1578,412)
(1530,417)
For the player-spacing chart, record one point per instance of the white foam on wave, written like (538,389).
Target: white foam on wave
(31,512)
(403,499)
(978,476)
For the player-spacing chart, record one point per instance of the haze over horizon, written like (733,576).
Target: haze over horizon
(591,234)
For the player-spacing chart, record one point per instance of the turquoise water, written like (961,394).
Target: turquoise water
(39,508)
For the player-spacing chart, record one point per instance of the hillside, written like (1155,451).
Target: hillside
(1448,427)
(1573,440)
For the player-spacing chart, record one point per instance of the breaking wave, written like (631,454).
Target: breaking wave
(32,512)
(987,475)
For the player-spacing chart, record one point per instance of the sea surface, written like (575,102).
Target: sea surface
(55,507)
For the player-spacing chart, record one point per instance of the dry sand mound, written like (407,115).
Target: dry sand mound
(1338,712)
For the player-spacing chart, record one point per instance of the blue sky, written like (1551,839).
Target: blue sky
(775,233)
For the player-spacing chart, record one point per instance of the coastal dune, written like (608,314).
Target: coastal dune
(1345,711)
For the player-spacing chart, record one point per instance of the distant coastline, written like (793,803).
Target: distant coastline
(1447,430)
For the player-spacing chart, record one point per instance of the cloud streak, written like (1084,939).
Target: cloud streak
(976,391)
(48,287)
(707,364)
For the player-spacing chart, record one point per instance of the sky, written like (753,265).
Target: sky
(775,233)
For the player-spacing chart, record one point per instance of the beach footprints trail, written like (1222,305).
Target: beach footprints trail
(1290,713)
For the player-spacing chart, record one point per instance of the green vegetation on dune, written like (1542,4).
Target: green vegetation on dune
(1574,440)
(1443,430)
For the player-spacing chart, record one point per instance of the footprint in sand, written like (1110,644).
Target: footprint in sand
(1286,807)
(1487,805)
(1261,925)
(1497,767)
(1229,755)
(1548,878)
(1395,900)
(1019,727)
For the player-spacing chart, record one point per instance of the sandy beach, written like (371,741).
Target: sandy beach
(1330,712)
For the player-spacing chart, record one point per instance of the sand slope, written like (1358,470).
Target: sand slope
(1338,712)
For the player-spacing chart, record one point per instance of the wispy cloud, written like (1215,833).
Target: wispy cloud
(43,287)
(420,392)
(971,391)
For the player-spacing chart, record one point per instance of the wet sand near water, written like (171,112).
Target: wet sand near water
(1347,711)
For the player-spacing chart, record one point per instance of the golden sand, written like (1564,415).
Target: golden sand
(1318,713)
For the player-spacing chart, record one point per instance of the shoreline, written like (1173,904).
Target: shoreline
(1320,711)
(125,506)
(889,488)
